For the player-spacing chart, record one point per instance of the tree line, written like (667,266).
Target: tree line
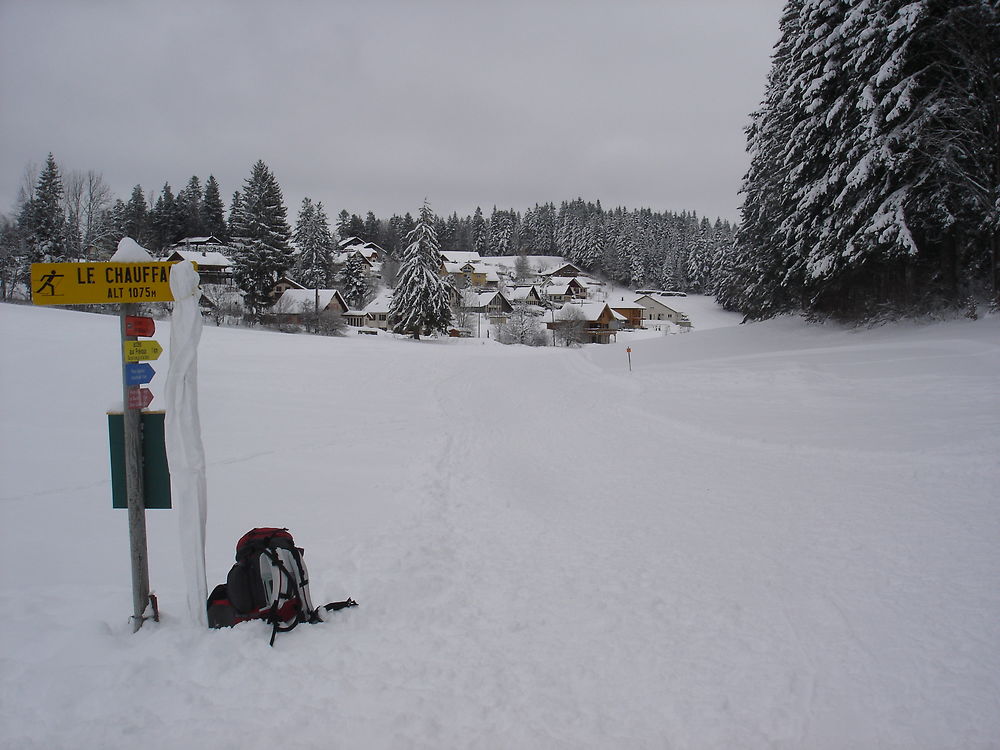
(76,217)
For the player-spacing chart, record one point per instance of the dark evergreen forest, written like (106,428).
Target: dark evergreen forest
(874,182)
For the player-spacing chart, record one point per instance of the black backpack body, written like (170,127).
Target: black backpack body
(269,582)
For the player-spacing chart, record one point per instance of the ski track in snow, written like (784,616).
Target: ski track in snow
(774,536)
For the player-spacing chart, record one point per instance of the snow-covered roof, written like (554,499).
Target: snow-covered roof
(210,240)
(304,300)
(482,299)
(202,257)
(568,280)
(622,305)
(558,289)
(520,292)
(454,256)
(380,304)
(459,267)
(355,245)
(589,311)
(648,301)
(554,268)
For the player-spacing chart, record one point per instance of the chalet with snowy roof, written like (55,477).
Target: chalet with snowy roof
(492,303)
(375,314)
(632,311)
(597,322)
(655,309)
(209,254)
(469,274)
(525,295)
(563,289)
(455,256)
(281,285)
(198,243)
(297,306)
(369,252)
(567,269)
(366,261)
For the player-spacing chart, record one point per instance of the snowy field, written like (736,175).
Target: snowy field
(766,536)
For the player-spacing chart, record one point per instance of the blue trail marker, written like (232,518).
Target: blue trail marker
(138,373)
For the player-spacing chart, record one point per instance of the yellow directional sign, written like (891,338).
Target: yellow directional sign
(139,351)
(99,283)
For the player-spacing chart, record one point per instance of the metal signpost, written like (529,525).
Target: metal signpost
(124,284)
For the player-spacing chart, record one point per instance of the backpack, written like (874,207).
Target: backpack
(268,582)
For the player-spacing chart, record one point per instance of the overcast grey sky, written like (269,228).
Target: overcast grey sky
(373,105)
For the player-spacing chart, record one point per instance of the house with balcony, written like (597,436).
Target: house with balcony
(560,289)
(373,315)
(493,304)
(525,295)
(589,322)
(211,256)
(632,311)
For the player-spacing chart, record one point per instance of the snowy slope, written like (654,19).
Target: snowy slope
(776,535)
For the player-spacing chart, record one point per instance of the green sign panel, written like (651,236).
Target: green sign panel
(155,473)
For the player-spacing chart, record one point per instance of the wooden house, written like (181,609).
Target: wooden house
(298,305)
(596,321)
(209,254)
(374,315)
(493,304)
(563,289)
(281,285)
(525,295)
(567,269)
(470,275)
(632,311)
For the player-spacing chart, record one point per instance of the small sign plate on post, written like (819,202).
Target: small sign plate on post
(136,325)
(138,373)
(137,351)
(139,398)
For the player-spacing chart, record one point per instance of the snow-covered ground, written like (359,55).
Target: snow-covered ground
(771,536)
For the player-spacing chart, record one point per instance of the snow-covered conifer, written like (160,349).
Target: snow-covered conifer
(314,242)
(354,281)
(421,300)
(44,217)
(260,236)
(213,211)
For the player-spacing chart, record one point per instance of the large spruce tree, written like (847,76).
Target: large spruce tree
(42,217)
(314,241)
(354,281)
(260,236)
(421,301)
(190,205)
(213,212)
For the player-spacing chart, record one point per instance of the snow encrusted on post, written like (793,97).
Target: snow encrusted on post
(185,451)
(130,251)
